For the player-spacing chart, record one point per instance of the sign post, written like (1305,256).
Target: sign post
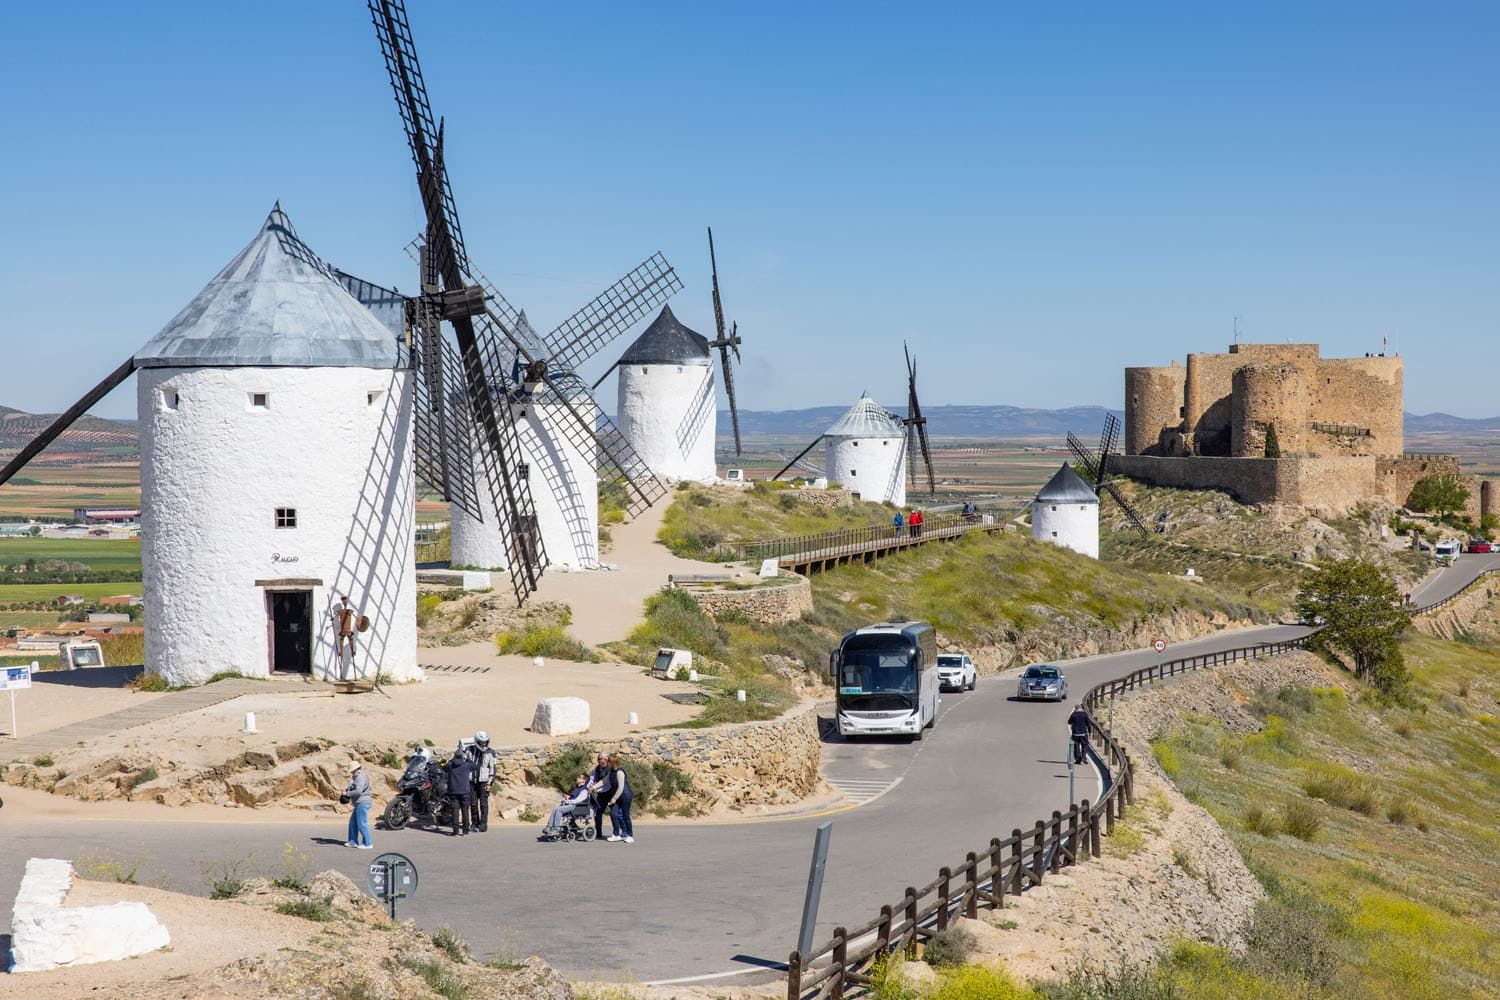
(14,679)
(1071,753)
(814,887)
(392,877)
(1160,645)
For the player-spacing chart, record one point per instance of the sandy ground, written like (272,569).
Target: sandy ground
(58,698)
(607,604)
(199,942)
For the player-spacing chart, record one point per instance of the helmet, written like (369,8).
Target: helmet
(424,752)
(481,737)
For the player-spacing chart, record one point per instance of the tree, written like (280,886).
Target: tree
(1273,446)
(1361,617)
(1439,493)
(35,529)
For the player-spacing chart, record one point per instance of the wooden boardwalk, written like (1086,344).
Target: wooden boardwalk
(835,548)
(102,727)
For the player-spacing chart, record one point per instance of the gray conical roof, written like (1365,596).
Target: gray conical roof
(275,304)
(866,419)
(1067,486)
(667,342)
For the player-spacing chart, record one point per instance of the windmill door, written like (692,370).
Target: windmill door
(291,630)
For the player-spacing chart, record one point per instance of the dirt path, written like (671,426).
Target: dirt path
(607,604)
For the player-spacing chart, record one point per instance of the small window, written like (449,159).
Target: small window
(856,444)
(524,472)
(260,400)
(1054,506)
(286,517)
(679,369)
(852,472)
(1054,534)
(169,399)
(373,397)
(643,369)
(1083,506)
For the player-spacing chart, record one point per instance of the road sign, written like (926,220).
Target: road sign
(392,877)
(15,678)
(1160,645)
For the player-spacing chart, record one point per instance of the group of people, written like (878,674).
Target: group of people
(469,772)
(607,788)
(911,522)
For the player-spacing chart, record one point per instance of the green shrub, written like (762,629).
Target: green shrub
(642,780)
(1231,753)
(550,641)
(671,781)
(563,767)
(1126,982)
(1166,756)
(295,864)
(142,776)
(528,815)
(673,619)
(449,942)
(1301,819)
(1403,810)
(320,909)
(1261,821)
(225,875)
(427,605)
(1293,936)
(438,978)
(951,947)
(977,982)
(42,760)
(146,681)
(1339,786)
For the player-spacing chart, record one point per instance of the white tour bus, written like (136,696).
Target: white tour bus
(887,680)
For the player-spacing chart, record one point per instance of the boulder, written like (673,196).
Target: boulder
(46,935)
(560,716)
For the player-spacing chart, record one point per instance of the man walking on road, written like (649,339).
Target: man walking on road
(483,759)
(460,793)
(1079,724)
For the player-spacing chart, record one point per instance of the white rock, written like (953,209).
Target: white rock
(46,935)
(560,716)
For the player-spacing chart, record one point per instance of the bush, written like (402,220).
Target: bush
(1128,982)
(671,781)
(1166,756)
(1338,786)
(438,978)
(977,982)
(1261,821)
(1301,819)
(1403,810)
(1231,753)
(225,876)
(295,864)
(544,640)
(147,682)
(949,948)
(673,619)
(142,776)
(43,760)
(1292,936)
(320,909)
(454,946)
(563,767)
(427,606)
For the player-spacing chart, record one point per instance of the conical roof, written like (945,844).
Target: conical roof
(1067,486)
(667,342)
(866,419)
(275,304)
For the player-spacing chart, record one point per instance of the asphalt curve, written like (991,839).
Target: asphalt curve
(700,900)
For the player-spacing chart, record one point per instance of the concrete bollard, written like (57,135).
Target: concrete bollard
(250,722)
(693,676)
(632,719)
(538,662)
(739,695)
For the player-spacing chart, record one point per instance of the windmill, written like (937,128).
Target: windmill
(500,361)
(916,427)
(1096,468)
(725,342)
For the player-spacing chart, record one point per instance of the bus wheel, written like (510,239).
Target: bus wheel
(917,736)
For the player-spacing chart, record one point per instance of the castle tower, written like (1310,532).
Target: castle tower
(667,407)
(1153,406)
(1066,512)
(276,474)
(867,453)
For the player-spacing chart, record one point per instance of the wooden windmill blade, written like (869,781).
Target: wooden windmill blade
(725,343)
(1102,483)
(1086,458)
(66,419)
(444,274)
(588,331)
(1125,505)
(915,419)
(797,458)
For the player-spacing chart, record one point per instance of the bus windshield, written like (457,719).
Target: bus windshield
(878,679)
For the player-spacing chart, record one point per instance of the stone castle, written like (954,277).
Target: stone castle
(1337,422)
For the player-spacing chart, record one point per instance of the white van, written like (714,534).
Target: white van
(1447,551)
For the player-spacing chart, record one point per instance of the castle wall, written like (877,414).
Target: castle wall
(1396,474)
(1356,407)
(1266,395)
(1153,405)
(1332,485)
(1207,413)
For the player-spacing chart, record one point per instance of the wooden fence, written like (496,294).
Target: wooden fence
(816,551)
(1003,867)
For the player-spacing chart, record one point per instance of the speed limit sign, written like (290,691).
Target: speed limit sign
(1160,645)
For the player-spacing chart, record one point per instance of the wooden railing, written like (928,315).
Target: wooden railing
(1004,867)
(846,542)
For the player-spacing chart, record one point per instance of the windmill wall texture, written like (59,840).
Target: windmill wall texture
(564,490)
(1072,525)
(333,443)
(669,414)
(1338,424)
(875,468)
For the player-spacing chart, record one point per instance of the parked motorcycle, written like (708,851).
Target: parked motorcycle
(421,794)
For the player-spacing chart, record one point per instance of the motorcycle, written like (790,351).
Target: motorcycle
(422,793)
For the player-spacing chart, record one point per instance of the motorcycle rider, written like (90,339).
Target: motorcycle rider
(483,758)
(460,793)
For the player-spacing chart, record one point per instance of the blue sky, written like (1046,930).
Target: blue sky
(1034,195)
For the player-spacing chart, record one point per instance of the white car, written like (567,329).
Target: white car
(956,672)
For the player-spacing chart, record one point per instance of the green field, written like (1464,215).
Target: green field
(48,591)
(26,619)
(98,553)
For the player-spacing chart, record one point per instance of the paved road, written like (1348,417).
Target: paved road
(697,900)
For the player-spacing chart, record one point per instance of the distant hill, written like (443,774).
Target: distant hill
(942,421)
(1433,423)
(90,437)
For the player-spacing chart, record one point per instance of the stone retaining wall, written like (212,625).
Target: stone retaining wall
(826,499)
(767,605)
(745,763)
(1453,619)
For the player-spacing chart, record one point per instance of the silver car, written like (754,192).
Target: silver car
(1042,681)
